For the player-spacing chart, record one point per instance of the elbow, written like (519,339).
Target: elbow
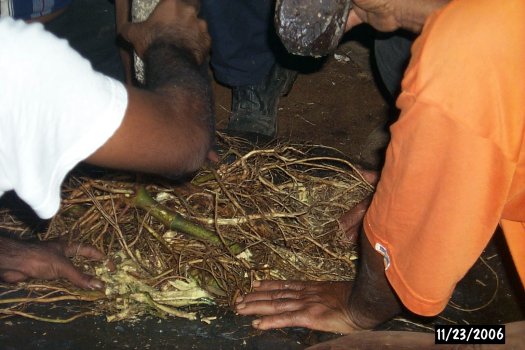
(198,157)
(192,153)
(192,131)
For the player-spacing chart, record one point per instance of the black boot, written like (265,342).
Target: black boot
(254,107)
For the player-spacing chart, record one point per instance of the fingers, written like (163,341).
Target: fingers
(195,4)
(351,221)
(271,295)
(60,267)
(66,270)
(167,10)
(269,307)
(84,250)
(213,156)
(371,176)
(353,20)
(78,278)
(285,319)
(314,317)
(279,284)
(316,305)
(276,297)
(282,304)
(11,276)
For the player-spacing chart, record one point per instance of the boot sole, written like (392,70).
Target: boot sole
(311,27)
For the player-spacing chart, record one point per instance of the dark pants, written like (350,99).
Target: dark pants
(243,38)
(244,44)
(89,26)
(392,53)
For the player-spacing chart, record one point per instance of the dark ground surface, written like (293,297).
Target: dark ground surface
(337,105)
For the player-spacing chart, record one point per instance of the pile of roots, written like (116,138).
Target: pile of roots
(261,213)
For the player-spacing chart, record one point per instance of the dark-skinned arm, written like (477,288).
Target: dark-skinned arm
(373,301)
(168,126)
(167,129)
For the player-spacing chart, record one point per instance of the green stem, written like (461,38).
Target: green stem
(177,222)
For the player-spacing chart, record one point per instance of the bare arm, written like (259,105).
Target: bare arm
(168,126)
(167,129)
(373,301)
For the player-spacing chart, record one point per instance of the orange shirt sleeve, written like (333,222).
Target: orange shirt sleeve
(452,164)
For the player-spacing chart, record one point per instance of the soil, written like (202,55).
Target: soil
(334,102)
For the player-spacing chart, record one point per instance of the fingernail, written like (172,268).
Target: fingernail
(241,306)
(256,323)
(239,299)
(110,265)
(256,284)
(96,284)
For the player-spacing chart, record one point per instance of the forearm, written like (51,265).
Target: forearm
(168,125)
(373,301)
(412,14)
(175,58)
(173,73)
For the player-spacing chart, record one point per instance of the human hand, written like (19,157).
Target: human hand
(20,261)
(380,14)
(213,156)
(174,21)
(390,15)
(316,305)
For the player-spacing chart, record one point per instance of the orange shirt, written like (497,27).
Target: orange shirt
(455,167)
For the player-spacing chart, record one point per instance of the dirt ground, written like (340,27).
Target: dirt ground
(334,102)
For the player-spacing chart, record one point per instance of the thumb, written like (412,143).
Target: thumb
(213,156)
(353,20)
(11,276)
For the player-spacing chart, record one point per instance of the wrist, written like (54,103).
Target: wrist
(373,301)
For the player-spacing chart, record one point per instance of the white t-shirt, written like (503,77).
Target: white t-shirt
(55,111)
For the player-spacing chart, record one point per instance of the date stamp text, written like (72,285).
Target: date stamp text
(469,334)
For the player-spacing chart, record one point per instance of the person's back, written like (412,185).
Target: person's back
(455,166)
(454,169)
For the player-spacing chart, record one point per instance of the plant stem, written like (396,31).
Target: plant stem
(177,222)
